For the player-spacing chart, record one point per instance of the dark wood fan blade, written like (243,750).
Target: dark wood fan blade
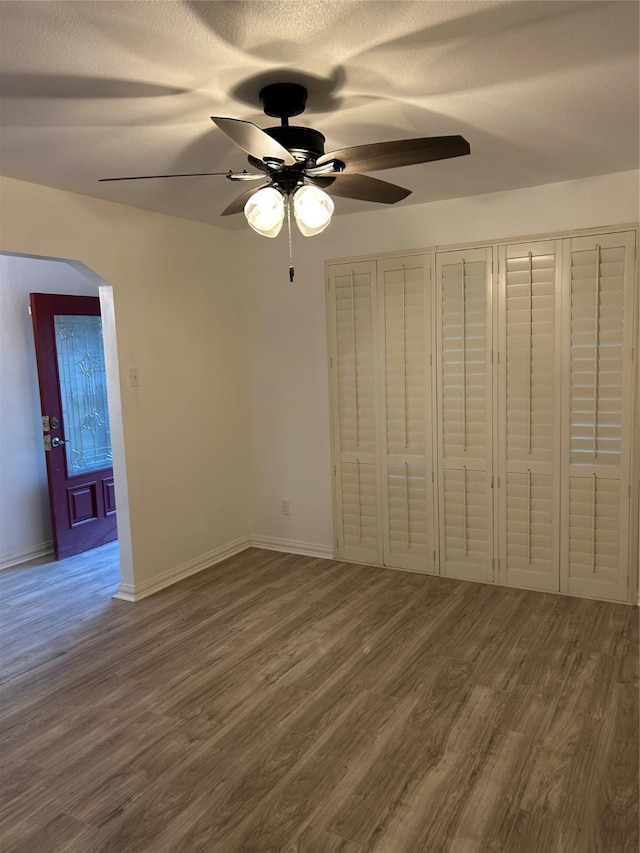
(237,205)
(362,187)
(253,140)
(152,177)
(403,152)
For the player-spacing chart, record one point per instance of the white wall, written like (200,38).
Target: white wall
(25,520)
(288,416)
(178,322)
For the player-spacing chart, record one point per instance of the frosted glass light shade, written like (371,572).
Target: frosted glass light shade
(312,208)
(265,211)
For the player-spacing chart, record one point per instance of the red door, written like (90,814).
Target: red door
(75,420)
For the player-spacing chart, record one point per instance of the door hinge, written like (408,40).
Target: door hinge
(331,363)
(434,556)
(432,478)
(47,442)
(431,359)
(334,471)
(46,423)
(492,481)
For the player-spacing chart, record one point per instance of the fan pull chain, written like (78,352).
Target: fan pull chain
(291,270)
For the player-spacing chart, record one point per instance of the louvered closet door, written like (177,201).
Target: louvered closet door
(465,413)
(405,348)
(353,305)
(598,319)
(529,414)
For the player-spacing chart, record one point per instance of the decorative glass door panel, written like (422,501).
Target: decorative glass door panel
(83,393)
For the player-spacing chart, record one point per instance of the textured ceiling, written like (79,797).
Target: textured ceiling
(543,91)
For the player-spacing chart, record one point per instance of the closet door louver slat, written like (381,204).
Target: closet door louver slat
(598,316)
(405,401)
(529,414)
(465,413)
(353,308)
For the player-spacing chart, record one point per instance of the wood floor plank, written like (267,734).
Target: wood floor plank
(312,840)
(286,704)
(119,778)
(489,814)
(217,814)
(569,751)
(346,743)
(62,834)
(417,748)
(611,822)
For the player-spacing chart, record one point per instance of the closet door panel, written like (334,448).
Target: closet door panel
(598,309)
(465,413)
(405,406)
(352,302)
(529,414)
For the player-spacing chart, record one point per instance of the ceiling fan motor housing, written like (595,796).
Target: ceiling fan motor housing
(283,100)
(304,143)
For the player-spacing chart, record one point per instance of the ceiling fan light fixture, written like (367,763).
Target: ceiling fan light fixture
(265,211)
(313,209)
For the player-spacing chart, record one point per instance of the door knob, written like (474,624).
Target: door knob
(56,442)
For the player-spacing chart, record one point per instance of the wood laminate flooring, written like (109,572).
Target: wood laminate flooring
(285,704)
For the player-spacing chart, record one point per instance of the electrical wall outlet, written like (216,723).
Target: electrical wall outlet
(284,506)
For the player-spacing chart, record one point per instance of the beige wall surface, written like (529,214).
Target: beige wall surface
(178,322)
(288,415)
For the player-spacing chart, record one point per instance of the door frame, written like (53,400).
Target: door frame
(114,403)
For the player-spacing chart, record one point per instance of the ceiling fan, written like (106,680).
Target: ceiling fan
(291,162)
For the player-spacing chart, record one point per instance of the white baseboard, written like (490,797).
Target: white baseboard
(291,546)
(45,549)
(135,592)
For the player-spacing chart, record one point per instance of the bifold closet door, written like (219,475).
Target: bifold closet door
(352,291)
(529,373)
(598,318)
(465,413)
(404,333)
